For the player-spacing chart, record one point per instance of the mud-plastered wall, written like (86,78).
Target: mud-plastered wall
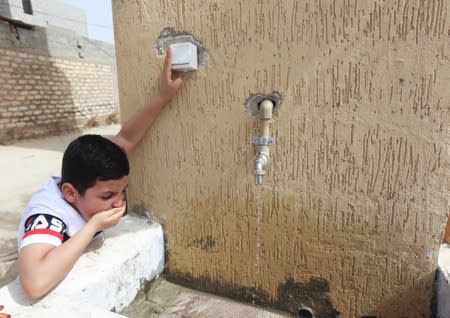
(349,218)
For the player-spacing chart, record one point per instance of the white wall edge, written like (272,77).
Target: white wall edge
(443,282)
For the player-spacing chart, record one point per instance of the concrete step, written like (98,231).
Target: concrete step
(103,280)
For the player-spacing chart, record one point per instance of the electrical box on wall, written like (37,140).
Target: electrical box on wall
(184,56)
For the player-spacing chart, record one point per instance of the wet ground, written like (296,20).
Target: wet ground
(168,300)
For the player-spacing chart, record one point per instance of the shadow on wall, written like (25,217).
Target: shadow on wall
(311,299)
(36,94)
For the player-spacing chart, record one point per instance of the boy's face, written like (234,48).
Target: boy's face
(102,196)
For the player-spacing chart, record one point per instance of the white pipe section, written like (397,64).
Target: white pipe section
(265,128)
(265,109)
(262,151)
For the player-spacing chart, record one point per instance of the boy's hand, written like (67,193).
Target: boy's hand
(3,315)
(170,81)
(106,219)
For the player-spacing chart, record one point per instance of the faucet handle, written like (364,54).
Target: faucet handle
(263,141)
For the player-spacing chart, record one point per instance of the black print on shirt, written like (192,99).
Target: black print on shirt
(45,224)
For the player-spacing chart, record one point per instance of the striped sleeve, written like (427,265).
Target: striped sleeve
(43,228)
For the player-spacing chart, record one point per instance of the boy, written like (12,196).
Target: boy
(63,217)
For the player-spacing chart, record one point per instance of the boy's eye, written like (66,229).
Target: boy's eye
(110,195)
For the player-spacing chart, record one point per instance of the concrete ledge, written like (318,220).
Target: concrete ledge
(443,282)
(108,278)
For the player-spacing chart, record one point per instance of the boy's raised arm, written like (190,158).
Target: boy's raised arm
(135,127)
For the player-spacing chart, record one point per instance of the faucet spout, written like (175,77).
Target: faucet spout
(261,160)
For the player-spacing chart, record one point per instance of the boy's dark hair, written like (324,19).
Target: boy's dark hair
(90,158)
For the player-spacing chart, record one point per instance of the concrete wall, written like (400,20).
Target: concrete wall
(53,81)
(353,207)
(47,13)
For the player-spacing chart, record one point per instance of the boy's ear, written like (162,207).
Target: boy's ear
(69,192)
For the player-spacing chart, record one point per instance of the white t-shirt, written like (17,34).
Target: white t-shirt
(48,218)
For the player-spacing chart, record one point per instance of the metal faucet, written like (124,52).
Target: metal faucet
(262,142)
(261,160)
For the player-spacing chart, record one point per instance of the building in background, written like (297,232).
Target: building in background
(53,78)
(47,14)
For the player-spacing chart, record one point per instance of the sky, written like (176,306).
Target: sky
(99,18)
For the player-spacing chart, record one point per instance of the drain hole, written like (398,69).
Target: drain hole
(304,313)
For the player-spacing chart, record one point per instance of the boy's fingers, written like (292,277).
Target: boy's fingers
(110,213)
(168,63)
(119,211)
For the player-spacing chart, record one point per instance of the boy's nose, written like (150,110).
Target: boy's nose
(119,202)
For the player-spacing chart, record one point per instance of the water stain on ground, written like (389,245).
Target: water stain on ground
(293,296)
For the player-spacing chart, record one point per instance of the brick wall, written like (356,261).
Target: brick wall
(41,94)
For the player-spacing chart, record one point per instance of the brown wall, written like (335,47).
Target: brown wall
(354,204)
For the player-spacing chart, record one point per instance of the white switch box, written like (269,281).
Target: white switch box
(184,56)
